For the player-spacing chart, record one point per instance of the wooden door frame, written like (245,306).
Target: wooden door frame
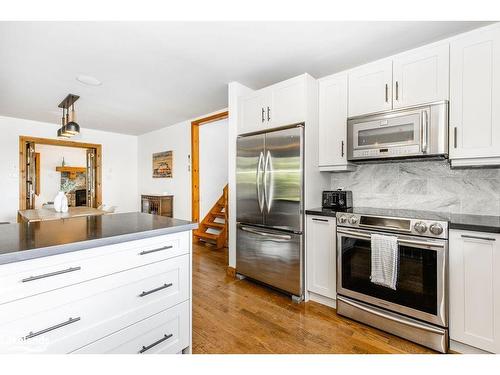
(195,160)
(23,140)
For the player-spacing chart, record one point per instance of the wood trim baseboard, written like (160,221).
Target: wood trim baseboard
(231,272)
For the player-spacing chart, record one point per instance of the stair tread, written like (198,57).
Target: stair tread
(205,235)
(215,225)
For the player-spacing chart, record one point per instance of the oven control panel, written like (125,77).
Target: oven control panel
(411,226)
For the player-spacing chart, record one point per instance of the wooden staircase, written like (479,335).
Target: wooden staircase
(213,227)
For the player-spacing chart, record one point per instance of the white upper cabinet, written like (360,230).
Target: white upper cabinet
(253,112)
(284,103)
(475,289)
(421,76)
(370,88)
(475,97)
(288,102)
(333,123)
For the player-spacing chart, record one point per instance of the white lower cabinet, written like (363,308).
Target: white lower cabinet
(132,298)
(166,332)
(321,256)
(475,289)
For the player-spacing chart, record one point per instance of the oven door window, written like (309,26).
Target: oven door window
(417,283)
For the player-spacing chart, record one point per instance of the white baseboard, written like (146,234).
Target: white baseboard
(465,349)
(330,302)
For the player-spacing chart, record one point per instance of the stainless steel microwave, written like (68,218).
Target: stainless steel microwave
(413,132)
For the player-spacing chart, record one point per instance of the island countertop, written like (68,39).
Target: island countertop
(25,241)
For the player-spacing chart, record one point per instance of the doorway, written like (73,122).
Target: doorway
(82,179)
(209,186)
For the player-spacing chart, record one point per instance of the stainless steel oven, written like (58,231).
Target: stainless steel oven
(417,309)
(420,131)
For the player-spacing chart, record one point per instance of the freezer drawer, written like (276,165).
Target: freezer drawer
(271,256)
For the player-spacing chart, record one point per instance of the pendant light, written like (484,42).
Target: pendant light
(62,131)
(71,126)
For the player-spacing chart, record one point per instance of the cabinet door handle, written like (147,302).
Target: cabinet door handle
(342,148)
(164,286)
(263,112)
(155,250)
(397,90)
(478,238)
(322,220)
(38,277)
(165,337)
(455,136)
(268,114)
(41,332)
(386,93)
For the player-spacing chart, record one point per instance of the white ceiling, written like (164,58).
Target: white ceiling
(156,74)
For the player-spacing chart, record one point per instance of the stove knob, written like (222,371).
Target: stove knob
(436,229)
(342,219)
(353,220)
(420,227)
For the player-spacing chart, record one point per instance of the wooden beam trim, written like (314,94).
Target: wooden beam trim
(56,142)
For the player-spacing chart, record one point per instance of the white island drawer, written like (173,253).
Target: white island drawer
(165,332)
(23,279)
(66,319)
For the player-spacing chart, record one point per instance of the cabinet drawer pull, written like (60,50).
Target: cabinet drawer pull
(342,149)
(155,250)
(164,286)
(145,348)
(38,333)
(455,136)
(397,90)
(322,220)
(478,238)
(386,93)
(263,113)
(38,277)
(268,114)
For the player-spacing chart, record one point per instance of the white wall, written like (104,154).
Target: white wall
(119,162)
(50,158)
(176,138)
(213,163)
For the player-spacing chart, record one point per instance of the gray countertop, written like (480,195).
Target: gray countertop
(25,241)
(479,223)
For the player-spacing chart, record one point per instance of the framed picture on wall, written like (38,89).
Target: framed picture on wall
(162,164)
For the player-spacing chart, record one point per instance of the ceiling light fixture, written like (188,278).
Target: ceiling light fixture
(69,126)
(88,80)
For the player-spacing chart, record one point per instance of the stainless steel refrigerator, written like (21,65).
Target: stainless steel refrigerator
(270,210)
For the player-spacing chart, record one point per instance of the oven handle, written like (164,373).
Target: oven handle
(391,317)
(400,240)
(387,226)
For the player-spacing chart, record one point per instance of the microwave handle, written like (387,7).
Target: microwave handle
(425,131)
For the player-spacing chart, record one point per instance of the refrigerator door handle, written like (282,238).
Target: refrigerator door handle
(286,237)
(259,180)
(268,181)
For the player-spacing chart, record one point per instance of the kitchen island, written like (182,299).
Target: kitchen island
(101,284)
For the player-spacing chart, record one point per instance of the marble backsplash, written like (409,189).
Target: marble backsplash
(423,185)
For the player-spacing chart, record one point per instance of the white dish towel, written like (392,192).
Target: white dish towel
(385,259)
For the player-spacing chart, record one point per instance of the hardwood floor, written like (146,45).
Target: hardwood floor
(238,316)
